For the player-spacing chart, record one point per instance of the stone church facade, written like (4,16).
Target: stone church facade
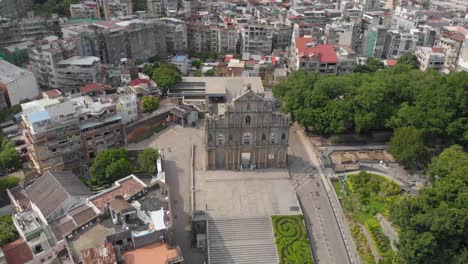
(248,135)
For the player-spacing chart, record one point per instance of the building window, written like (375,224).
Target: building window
(246,139)
(230,138)
(247,120)
(273,138)
(220,139)
(210,138)
(263,136)
(283,136)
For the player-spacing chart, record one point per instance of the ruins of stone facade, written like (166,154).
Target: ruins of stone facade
(247,135)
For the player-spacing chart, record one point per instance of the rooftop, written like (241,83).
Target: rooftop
(103,254)
(126,187)
(324,53)
(158,253)
(9,72)
(80,61)
(94,87)
(53,188)
(17,252)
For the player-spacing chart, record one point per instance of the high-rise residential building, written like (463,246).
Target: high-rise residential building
(76,71)
(112,41)
(156,8)
(398,43)
(117,8)
(451,40)
(85,9)
(257,38)
(15,9)
(176,35)
(373,41)
(45,54)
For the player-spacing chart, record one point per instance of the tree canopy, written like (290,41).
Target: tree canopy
(434,224)
(147,160)
(407,146)
(9,157)
(166,75)
(111,165)
(149,103)
(399,96)
(409,59)
(9,232)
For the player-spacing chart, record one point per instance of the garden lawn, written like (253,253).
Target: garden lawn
(291,238)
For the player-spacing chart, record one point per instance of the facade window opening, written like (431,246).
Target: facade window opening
(247,120)
(283,136)
(273,138)
(263,136)
(246,139)
(220,139)
(230,137)
(210,138)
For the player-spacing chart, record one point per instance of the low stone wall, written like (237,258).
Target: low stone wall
(146,126)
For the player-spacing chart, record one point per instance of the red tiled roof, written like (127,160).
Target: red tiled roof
(441,50)
(102,254)
(17,252)
(137,82)
(94,87)
(324,53)
(391,62)
(53,93)
(127,188)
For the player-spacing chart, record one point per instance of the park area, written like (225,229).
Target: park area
(366,198)
(291,238)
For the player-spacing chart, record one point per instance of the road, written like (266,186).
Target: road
(327,243)
(176,144)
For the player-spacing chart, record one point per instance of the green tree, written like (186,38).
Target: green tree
(110,165)
(372,65)
(139,5)
(149,103)
(407,146)
(7,182)
(147,160)
(166,76)
(210,72)
(433,225)
(409,59)
(9,157)
(197,63)
(9,232)
(198,74)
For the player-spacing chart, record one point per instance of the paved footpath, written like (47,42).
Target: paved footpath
(330,236)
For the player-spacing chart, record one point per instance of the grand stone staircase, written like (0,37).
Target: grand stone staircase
(241,241)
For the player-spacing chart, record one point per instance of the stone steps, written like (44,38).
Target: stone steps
(242,241)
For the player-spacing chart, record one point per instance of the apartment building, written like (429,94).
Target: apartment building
(430,58)
(398,43)
(257,38)
(44,56)
(74,72)
(85,9)
(62,132)
(199,37)
(15,9)
(176,35)
(156,8)
(281,35)
(114,40)
(100,125)
(16,84)
(117,8)
(374,41)
(307,55)
(342,33)
(52,134)
(451,41)
(227,38)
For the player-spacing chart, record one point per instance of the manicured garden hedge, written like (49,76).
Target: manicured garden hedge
(291,239)
(381,241)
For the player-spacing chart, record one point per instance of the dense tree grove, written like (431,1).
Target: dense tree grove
(434,225)
(9,232)
(110,165)
(399,96)
(9,158)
